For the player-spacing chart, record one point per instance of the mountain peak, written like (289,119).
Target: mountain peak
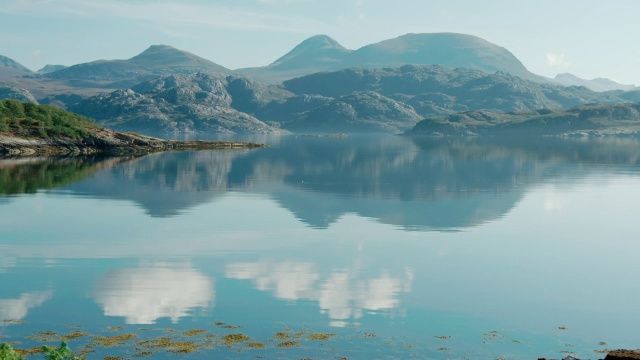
(170,57)
(156,50)
(10,67)
(321,41)
(318,48)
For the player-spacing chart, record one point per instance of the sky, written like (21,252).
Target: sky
(588,38)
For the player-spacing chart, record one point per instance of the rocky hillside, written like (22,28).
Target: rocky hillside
(592,120)
(321,53)
(192,103)
(27,129)
(15,93)
(394,99)
(388,100)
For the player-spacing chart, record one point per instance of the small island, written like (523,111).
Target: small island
(28,129)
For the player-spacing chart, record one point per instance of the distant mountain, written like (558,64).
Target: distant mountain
(598,84)
(157,60)
(317,53)
(51,68)
(321,53)
(11,68)
(590,119)
(394,97)
(187,103)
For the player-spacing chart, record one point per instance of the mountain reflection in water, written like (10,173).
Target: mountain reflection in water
(419,183)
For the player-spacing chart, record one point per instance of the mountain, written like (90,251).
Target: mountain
(157,60)
(317,53)
(583,120)
(51,68)
(394,97)
(321,53)
(390,100)
(192,103)
(11,68)
(598,84)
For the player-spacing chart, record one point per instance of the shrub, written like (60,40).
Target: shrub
(7,353)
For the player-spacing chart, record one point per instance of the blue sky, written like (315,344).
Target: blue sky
(588,38)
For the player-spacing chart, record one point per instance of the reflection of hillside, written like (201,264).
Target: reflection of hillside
(28,175)
(415,183)
(164,184)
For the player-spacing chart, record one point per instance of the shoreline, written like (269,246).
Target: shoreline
(110,142)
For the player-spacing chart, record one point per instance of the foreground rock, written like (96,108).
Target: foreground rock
(106,141)
(612,355)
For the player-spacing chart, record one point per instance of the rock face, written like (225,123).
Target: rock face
(157,60)
(193,103)
(11,68)
(451,50)
(17,94)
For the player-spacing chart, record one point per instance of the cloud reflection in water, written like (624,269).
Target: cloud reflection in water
(343,295)
(145,295)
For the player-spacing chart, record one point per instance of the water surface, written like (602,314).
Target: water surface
(402,247)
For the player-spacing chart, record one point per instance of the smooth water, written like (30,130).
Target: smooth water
(403,248)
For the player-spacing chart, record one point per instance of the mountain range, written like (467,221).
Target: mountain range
(322,53)
(326,87)
(597,84)
(388,100)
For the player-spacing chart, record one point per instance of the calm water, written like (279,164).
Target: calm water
(401,247)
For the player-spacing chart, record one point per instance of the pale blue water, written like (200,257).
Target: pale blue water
(442,249)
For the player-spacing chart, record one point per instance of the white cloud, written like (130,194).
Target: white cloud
(145,295)
(558,61)
(17,309)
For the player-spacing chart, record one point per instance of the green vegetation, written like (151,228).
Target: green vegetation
(60,353)
(7,353)
(30,120)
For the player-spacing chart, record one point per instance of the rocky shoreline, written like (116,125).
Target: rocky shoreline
(111,142)
(612,355)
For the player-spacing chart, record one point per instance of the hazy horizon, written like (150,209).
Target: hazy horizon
(591,39)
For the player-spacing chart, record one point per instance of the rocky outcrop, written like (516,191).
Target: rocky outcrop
(612,355)
(105,141)
(15,93)
(623,355)
(186,103)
